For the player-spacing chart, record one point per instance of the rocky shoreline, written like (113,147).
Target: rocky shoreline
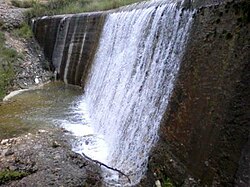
(45,158)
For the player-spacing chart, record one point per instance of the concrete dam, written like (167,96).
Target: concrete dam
(166,86)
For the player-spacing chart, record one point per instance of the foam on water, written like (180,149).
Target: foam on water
(86,141)
(129,84)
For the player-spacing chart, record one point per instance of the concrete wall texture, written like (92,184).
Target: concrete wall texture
(204,135)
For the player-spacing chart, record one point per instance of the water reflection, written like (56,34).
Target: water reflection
(36,108)
(54,104)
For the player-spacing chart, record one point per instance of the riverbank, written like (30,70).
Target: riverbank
(44,159)
(22,59)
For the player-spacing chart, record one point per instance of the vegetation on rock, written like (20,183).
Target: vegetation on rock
(7,57)
(23,3)
(7,175)
(54,7)
(167,183)
(24,31)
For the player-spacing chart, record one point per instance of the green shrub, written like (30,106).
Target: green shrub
(54,7)
(1,24)
(24,31)
(6,75)
(24,3)
(167,183)
(8,57)
(7,175)
(2,38)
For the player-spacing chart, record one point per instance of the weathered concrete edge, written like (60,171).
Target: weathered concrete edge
(173,158)
(49,30)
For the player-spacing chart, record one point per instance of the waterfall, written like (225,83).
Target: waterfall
(131,80)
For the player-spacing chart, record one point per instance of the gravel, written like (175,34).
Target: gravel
(48,160)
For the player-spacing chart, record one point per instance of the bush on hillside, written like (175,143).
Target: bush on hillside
(54,7)
(24,3)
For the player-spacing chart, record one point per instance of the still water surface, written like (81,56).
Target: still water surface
(52,105)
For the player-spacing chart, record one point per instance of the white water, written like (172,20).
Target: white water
(87,140)
(131,81)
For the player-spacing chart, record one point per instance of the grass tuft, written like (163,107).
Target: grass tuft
(24,3)
(8,57)
(167,183)
(54,7)
(24,31)
(7,175)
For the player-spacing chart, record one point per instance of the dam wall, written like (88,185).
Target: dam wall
(203,137)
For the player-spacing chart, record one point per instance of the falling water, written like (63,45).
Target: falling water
(132,78)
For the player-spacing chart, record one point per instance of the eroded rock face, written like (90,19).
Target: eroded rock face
(204,133)
(27,66)
(10,17)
